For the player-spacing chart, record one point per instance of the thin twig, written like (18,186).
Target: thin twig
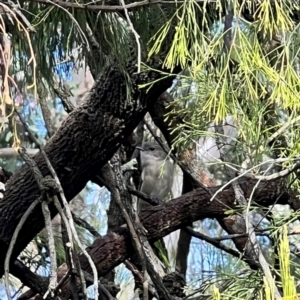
(47,217)
(72,250)
(70,261)
(272,138)
(52,252)
(241,200)
(82,223)
(179,163)
(73,229)
(138,275)
(136,35)
(140,241)
(278,175)
(81,33)
(148,199)
(62,281)
(11,152)
(116,194)
(237,235)
(27,295)
(278,160)
(14,7)
(103,289)
(67,209)
(67,238)
(46,114)
(213,242)
(115,8)
(13,241)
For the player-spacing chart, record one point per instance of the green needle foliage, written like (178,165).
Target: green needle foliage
(239,58)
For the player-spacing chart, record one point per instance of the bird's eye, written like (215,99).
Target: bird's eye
(152,148)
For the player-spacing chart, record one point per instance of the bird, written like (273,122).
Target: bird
(157,173)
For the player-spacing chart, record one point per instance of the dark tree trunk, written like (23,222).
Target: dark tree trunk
(109,251)
(183,246)
(86,140)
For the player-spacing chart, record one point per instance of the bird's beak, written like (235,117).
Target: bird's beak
(139,148)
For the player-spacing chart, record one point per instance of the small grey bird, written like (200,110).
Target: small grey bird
(157,173)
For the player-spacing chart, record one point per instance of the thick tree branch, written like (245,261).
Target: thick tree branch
(112,249)
(38,284)
(109,251)
(86,140)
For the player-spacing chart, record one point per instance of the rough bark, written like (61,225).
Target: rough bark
(86,140)
(112,249)
(109,251)
(37,283)
(185,238)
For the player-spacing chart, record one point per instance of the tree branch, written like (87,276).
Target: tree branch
(112,8)
(112,249)
(78,152)
(109,251)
